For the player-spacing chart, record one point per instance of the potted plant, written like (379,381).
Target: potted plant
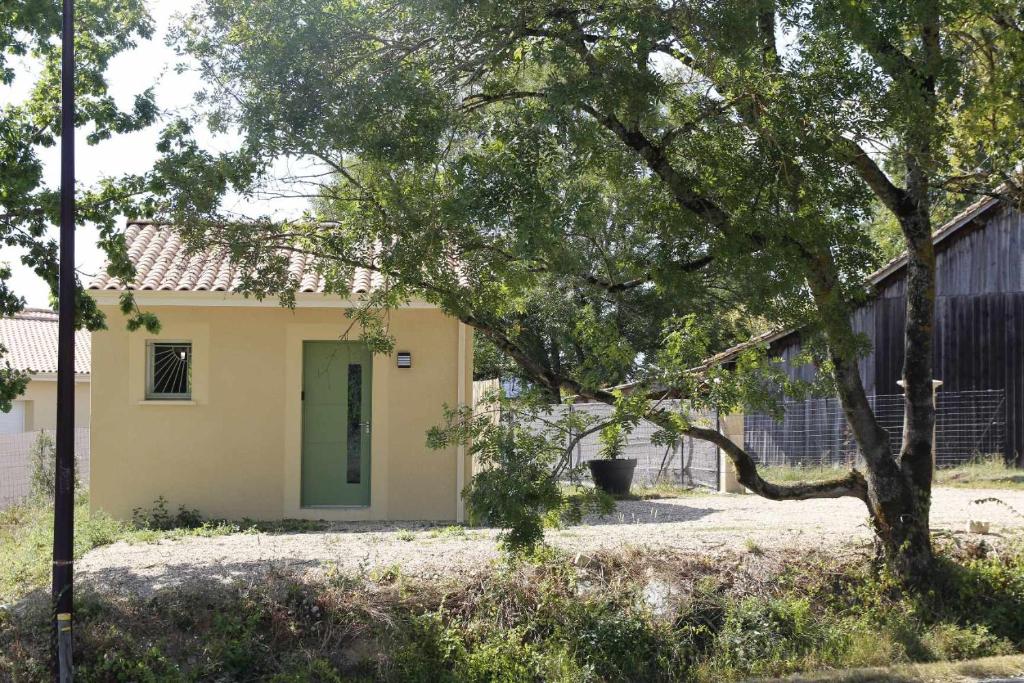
(612,473)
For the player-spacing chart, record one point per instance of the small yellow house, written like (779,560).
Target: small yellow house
(30,341)
(241,408)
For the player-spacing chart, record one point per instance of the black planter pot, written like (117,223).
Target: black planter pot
(613,476)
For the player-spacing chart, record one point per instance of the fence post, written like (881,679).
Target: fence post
(732,427)
(678,445)
(936,383)
(579,444)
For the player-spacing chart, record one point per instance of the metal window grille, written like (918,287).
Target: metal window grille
(169,370)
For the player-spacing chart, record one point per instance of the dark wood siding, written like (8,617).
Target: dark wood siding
(979,325)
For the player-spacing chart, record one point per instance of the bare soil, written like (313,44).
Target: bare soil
(707,525)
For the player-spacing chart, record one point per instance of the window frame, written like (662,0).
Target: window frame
(150,393)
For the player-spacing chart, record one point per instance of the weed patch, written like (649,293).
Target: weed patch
(26,536)
(589,619)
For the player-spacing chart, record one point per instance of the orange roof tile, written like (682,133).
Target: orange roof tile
(162,264)
(30,338)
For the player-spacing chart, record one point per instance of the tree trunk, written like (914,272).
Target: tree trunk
(898,494)
(899,515)
(904,521)
(898,489)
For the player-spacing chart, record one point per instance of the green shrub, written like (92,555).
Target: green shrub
(950,641)
(617,642)
(556,620)
(517,488)
(43,461)
(432,650)
(766,636)
(158,518)
(43,464)
(150,666)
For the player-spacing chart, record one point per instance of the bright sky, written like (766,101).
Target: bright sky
(151,63)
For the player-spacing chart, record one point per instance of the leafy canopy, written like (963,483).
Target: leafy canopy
(30,53)
(477,162)
(609,193)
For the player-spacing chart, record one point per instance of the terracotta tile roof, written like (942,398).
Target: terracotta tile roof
(30,338)
(162,264)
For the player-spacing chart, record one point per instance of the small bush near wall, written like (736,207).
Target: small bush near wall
(159,518)
(43,463)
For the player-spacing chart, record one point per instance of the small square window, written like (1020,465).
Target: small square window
(169,370)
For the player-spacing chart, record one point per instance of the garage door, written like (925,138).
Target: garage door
(14,421)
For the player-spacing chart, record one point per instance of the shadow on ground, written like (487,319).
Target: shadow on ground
(649,512)
(119,580)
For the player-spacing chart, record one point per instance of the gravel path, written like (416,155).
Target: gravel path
(710,524)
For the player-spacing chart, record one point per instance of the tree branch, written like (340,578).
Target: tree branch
(895,198)
(852,485)
(682,188)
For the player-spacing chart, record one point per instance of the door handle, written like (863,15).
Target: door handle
(365,426)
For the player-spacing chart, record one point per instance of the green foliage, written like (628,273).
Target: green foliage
(612,440)
(43,461)
(30,49)
(605,192)
(158,518)
(553,621)
(12,381)
(526,216)
(517,486)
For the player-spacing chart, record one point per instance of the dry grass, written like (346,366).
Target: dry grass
(663,490)
(983,472)
(937,672)
(609,616)
(789,474)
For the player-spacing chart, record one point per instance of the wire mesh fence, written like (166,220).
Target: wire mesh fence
(687,462)
(16,463)
(968,424)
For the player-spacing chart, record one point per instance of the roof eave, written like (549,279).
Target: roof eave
(52,376)
(961,220)
(166,297)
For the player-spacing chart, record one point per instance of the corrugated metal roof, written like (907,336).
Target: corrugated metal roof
(162,264)
(30,338)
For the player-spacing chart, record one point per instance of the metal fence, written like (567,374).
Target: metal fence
(687,462)
(16,464)
(814,432)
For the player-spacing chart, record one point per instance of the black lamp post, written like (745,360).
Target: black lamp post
(64,490)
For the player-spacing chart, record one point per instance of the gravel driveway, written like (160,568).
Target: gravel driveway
(710,524)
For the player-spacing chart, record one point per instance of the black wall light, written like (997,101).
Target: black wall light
(404,359)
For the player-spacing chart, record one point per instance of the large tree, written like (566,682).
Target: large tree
(599,188)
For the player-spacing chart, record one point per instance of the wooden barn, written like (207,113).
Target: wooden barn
(979,348)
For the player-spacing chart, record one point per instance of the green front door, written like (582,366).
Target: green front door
(335,423)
